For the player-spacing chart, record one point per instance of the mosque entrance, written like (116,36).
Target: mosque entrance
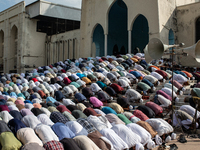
(140,33)
(198,29)
(117,28)
(98,39)
(115,49)
(1,50)
(171,40)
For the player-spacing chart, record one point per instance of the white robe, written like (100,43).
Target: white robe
(45,133)
(126,135)
(97,123)
(164,101)
(76,128)
(161,126)
(5,116)
(45,119)
(145,136)
(190,110)
(30,121)
(27,135)
(117,142)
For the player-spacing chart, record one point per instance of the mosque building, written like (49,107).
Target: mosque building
(121,26)
(43,33)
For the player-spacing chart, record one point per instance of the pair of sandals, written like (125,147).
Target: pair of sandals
(173,147)
(182,139)
(170,147)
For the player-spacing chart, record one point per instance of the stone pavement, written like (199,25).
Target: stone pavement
(192,144)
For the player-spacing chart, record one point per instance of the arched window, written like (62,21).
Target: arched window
(115,50)
(198,29)
(171,37)
(13,49)
(140,33)
(117,26)
(98,39)
(1,49)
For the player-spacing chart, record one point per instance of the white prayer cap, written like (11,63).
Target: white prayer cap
(139,146)
(181,92)
(36,100)
(130,107)
(173,136)
(42,77)
(39,79)
(153,69)
(37,83)
(177,99)
(68,73)
(158,140)
(47,79)
(151,144)
(154,88)
(168,139)
(22,74)
(60,78)
(183,89)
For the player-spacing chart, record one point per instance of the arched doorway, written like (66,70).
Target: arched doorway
(198,29)
(117,27)
(1,50)
(171,39)
(98,39)
(140,33)
(115,50)
(123,50)
(13,50)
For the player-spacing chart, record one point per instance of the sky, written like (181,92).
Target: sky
(4,4)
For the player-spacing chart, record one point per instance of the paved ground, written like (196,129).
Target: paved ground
(192,144)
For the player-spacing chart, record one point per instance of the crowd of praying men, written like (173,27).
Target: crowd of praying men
(95,103)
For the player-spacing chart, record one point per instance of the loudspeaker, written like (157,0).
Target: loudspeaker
(193,51)
(155,49)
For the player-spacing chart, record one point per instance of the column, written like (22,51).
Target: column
(129,41)
(106,45)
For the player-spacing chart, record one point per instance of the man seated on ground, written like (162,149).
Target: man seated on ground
(195,92)
(184,119)
(190,110)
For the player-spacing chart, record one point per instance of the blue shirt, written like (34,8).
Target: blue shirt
(62,131)
(136,74)
(50,99)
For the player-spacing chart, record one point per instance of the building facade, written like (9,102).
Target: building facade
(122,26)
(43,33)
(28,34)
